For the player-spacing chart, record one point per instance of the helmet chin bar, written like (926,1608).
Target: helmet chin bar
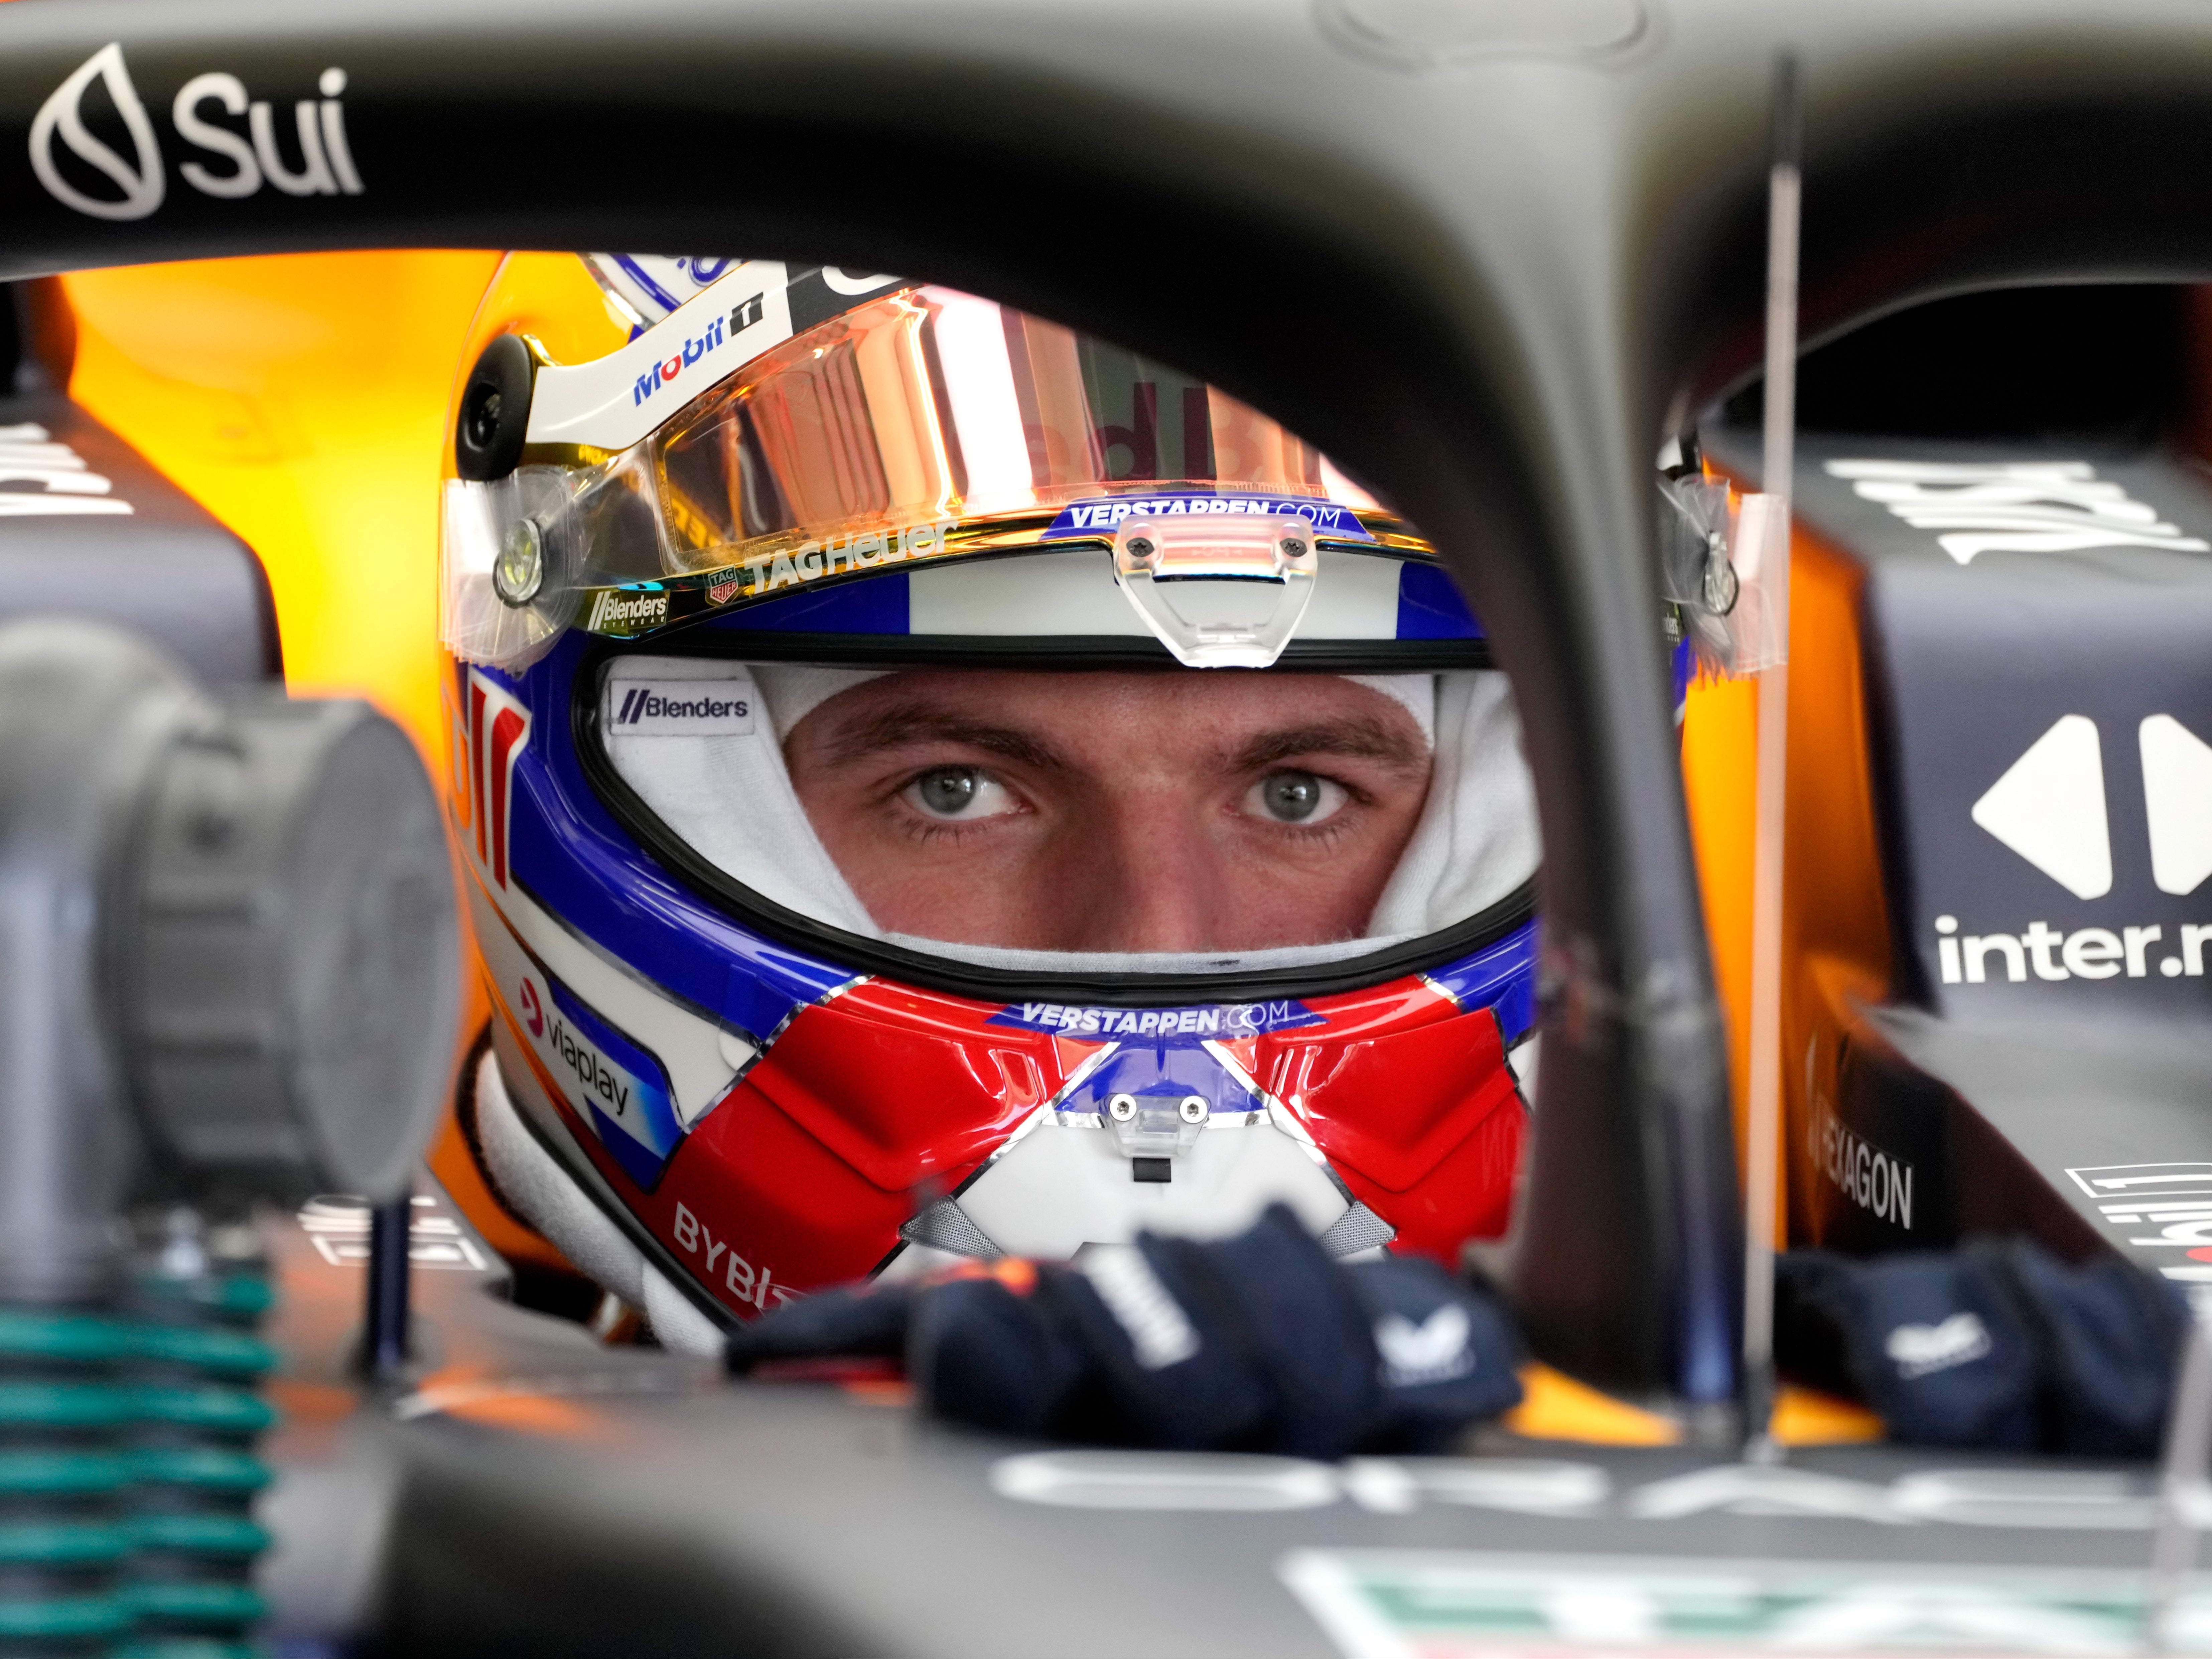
(1220,590)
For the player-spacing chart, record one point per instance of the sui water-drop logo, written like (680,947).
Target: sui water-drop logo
(234,143)
(62,116)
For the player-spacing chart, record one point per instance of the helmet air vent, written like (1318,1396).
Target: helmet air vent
(1220,590)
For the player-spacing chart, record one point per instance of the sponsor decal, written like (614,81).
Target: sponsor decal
(235,144)
(2048,806)
(697,349)
(494,730)
(615,1082)
(604,1085)
(1915,1496)
(677,709)
(338,1225)
(721,1265)
(694,323)
(2051,954)
(817,293)
(1160,1334)
(2012,507)
(677,351)
(838,279)
(1443,1603)
(1875,1180)
(1438,1350)
(625,610)
(811,561)
(615,1085)
(2159,1208)
(1923,1349)
(40,478)
(1101,517)
(1223,1020)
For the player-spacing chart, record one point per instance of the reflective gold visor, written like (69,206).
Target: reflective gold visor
(932,404)
(918,424)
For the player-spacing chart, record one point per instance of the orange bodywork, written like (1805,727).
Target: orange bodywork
(301,399)
(1835,928)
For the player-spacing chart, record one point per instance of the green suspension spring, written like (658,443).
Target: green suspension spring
(127,1474)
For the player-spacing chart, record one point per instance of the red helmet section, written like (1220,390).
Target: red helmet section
(1409,1098)
(802,1174)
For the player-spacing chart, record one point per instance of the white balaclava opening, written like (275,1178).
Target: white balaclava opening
(729,796)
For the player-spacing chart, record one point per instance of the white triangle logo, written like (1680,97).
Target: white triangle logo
(2049,807)
(2177,767)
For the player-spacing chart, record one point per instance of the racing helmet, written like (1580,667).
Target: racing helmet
(712,531)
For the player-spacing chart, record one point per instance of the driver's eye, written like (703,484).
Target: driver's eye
(1294,797)
(959,792)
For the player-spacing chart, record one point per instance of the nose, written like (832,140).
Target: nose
(1154,881)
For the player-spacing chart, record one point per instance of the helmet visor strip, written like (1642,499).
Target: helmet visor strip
(913,425)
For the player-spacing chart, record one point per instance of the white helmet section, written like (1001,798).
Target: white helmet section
(694,739)
(643,287)
(692,736)
(1477,840)
(1355,598)
(622,399)
(1059,1188)
(549,1199)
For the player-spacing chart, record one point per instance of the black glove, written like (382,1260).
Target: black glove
(1256,1342)
(2110,1337)
(862,1321)
(1996,1344)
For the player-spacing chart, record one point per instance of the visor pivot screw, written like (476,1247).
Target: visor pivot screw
(1195,1108)
(1140,549)
(1122,1108)
(494,416)
(482,415)
(1721,585)
(1293,549)
(519,570)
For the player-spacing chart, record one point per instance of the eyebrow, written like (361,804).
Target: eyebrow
(1355,736)
(903,723)
(908,723)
